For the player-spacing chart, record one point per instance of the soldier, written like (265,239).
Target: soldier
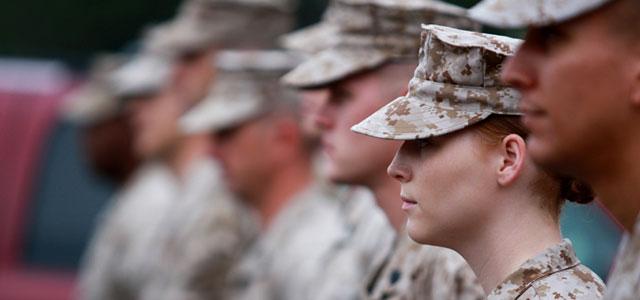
(578,73)
(305,245)
(117,261)
(460,124)
(106,135)
(188,251)
(368,62)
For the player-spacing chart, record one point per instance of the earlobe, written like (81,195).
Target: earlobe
(635,87)
(513,151)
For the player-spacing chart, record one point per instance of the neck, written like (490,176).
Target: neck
(287,182)
(506,240)
(189,149)
(617,187)
(387,193)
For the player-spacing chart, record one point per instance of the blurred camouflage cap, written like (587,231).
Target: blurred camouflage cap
(456,84)
(523,13)
(371,33)
(246,85)
(236,24)
(144,74)
(317,37)
(94,100)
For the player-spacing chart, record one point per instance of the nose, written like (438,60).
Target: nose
(519,70)
(323,117)
(398,169)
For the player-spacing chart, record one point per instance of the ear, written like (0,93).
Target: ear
(513,151)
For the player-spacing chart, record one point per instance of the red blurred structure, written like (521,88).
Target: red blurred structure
(30,92)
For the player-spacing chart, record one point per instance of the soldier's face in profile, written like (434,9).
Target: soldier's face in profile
(194,73)
(576,79)
(244,152)
(354,158)
(155,123)
(446,186)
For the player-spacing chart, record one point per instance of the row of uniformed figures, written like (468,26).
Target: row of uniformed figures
(300,174)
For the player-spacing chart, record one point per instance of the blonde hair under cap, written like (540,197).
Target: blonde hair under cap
(456,84)
(370,33)
(247,85)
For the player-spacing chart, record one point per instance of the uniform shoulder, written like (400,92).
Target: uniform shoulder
(578,282)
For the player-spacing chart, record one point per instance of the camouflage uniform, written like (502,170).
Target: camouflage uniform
(624,281)
(322,244)
(120,258)
(201,237)
(554,274)
(413,271)
(365,36)
(456,84)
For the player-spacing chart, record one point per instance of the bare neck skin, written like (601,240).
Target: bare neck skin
(516,231)
(617,184)
(387,193)
(189,149)
(289,180)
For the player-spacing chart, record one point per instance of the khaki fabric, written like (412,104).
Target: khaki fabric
(554,274)
(456,84)
(624,281)
(365,34)
(523,13)
(413,271)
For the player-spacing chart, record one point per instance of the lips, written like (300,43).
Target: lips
(407,203)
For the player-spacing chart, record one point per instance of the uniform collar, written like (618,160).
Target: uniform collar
(555,259)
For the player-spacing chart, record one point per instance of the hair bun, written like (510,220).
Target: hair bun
(577,191)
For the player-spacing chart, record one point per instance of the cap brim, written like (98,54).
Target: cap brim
(410,119)
(312,39)
(331,65)
(526,13)
(213,114)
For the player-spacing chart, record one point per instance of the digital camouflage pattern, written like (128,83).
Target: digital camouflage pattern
(246,85)
(624,281)
(317,37)
(456,84)
(414,271)
(554,274)
(368,33)
(523,13)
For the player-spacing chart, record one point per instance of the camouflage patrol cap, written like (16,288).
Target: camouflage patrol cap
(317,37)
(371,33)
(247,85)
(201,24)
(95,100)
(523,13)
(456,84)
(144,74)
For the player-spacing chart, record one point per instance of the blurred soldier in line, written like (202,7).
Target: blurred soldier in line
(267,159)
(117,263)
(579,73)
(193,230)
(106,133)
(370,60)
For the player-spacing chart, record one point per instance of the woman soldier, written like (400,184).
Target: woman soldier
(467,181)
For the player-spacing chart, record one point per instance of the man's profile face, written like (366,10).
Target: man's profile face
(575,78)
(354,158)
